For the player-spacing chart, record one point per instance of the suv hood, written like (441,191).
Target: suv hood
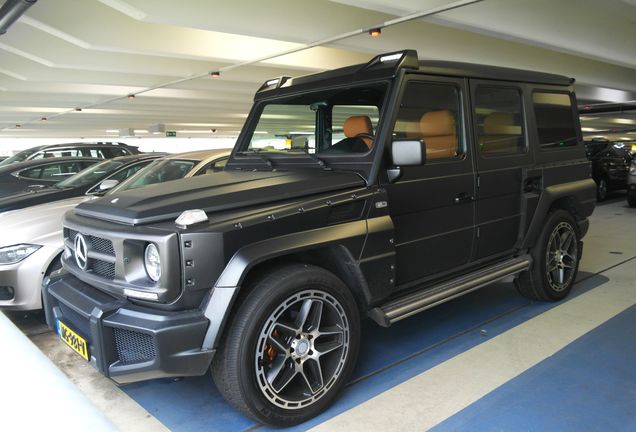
(214,192)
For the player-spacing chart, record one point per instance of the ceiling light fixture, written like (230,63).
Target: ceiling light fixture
(18,126)
(215,74)
(78,109)
(44,119)
(375,32)
(131,96)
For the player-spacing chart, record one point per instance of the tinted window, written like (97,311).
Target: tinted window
(52,171)
(498,113)
(157,172)
(555,120)
(58,153)
(91,175)
(94,152)
(431,112)
(213,167)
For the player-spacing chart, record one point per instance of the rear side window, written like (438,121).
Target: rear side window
(499,116)
(94,152)
(52,171)
(556,125)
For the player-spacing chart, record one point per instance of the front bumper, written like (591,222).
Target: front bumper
(126,342)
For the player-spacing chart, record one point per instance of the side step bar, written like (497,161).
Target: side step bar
(429,297)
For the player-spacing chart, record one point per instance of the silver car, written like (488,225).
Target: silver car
(32,241)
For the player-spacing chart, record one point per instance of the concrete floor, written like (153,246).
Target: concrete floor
(490,360)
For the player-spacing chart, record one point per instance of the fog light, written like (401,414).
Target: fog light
(152,262)
(6,293)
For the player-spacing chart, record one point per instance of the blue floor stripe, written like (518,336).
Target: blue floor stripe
(438,334)
(590,385)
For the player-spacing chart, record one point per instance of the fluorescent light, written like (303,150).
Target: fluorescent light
(623,121)
(586,118)
(112,131)
(588,129)
(141,131)
(272,82)
(261,132)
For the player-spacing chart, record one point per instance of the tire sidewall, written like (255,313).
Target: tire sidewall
(540,255)
(260,305)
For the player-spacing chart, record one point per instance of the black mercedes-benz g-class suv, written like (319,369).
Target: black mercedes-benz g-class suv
(378,190)
(610,165)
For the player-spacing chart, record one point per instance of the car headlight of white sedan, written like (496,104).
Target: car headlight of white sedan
(16,253)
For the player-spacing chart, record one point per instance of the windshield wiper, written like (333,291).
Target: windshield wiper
(260,155)
(312,156)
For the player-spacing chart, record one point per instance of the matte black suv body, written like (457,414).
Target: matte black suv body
(374,190)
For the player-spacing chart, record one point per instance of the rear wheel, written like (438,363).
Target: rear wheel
(555,260)
(291,346)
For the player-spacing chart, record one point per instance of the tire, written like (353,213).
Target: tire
(556,257)
(631,200)
(601,190)
(266,335)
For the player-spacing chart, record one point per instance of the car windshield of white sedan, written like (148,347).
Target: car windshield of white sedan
(341,121)
(159,171)
(90,175)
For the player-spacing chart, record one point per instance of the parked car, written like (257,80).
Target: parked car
(631,184)
(412,183)
(610,165)
(38,174)
(31,247)
(88,181)
(3,158)
(102,150)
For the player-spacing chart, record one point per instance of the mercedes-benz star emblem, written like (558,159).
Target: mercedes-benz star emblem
(81,252)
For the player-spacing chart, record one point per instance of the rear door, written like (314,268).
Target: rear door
(502,159)
(432,205)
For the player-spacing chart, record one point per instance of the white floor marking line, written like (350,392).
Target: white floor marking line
(433,396)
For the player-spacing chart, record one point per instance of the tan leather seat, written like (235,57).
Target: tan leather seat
(439,134)
(360,127)
(500,133)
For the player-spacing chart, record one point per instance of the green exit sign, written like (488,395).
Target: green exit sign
(171,133)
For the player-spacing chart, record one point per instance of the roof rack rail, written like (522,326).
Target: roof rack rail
(405,59)
(273,83)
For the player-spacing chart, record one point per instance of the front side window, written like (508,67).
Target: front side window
(329,122)
(90,175)
(554,113)
(499,117)
(431,112)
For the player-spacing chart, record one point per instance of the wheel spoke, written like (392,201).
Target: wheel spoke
(303,314)
(566,240)
(307,383)
(330,331)
(278,345)
(284,328)
(327,347)
(315,316)
(283,377)
(313,374)
(561,275)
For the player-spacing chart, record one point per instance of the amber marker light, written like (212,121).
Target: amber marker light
(375,32)
(131,96)
(215,74)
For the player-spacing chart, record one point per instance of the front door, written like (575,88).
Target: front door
(432,205)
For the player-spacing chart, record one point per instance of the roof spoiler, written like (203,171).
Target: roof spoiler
(405,59)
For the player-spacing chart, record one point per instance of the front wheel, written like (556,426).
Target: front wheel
(631,199)
(555,260)
(291,346)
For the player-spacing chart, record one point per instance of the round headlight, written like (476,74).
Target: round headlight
(152,262)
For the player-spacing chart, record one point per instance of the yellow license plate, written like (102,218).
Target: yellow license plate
(72,339)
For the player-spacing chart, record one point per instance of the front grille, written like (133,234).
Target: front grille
(97,244)
(104,246)
(103,268)
(133,347)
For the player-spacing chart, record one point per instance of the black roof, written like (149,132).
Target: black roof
(378,69)
(79,144)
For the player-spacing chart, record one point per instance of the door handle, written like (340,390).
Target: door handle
(463,197)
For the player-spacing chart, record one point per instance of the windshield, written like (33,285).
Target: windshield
(18,157)
(159,171)
(329,122)
(90,175)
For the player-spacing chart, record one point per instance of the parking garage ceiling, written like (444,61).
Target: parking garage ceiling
(91,54)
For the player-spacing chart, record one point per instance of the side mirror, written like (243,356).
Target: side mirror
(107,185)
(406,152)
